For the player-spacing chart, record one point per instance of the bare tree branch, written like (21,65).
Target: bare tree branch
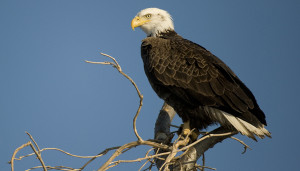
(166,155)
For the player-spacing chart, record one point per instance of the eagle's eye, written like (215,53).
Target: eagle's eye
(148,16)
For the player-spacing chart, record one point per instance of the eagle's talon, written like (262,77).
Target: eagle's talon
(185,130)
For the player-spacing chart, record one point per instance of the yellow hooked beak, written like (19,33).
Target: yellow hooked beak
(137,21)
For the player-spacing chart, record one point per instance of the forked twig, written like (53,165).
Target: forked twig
(34,142)
(36,153)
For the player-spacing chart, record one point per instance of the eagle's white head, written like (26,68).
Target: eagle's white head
(153,21)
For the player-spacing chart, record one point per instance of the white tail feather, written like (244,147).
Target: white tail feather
(260,131)
(242,126)
(238,125)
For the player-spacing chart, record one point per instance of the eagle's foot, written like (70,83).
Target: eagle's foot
(185,130)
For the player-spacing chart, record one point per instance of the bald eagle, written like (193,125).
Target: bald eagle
(201,88)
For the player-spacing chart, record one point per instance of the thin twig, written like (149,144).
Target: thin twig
(175,126)
(54,167)
(203,162)
(34,142)
(73,155)
(198,166)
(205,137)
(118,67)
(150,166)
(119,151)
(15,152)
(151,149)
(143,165)
(141,159)
(100,154)
(245,145)
(39,157)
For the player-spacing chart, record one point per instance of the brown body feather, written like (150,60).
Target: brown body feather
(197,84)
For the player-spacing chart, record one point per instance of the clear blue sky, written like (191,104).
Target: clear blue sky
(48,90)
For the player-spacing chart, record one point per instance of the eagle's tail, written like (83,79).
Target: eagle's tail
(245,128)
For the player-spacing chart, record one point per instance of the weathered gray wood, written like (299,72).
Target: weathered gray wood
(163,122)
(186,162)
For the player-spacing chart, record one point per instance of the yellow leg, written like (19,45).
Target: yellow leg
(186,130)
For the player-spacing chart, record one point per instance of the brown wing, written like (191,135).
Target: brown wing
(197,77)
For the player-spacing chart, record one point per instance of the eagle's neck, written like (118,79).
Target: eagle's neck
(165,34)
